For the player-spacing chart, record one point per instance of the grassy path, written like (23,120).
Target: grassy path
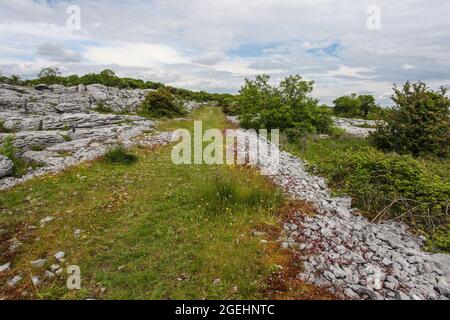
(151,230)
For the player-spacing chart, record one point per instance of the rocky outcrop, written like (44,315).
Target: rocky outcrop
(45,100)
(6,166)
(356,127)
(68,121)
(60,156)
(343,251)
(57,99)
(190,106)
(55,127)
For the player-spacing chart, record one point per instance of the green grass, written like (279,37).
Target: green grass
(149,230)
(317,151)
(37,147)
(100,107)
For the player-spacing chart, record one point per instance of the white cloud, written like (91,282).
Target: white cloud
(210,58)
(408,66)
(134,54)
(359,72)
(215,44)
(55,52)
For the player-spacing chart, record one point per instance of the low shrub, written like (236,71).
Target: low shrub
(66,137)
(160,103)
(119,155)
(7,148)
(36,147)
(391,186)
(100,107)
(440,240)
(385,185)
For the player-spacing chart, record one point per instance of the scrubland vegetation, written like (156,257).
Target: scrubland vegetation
(400,172)
(154,230)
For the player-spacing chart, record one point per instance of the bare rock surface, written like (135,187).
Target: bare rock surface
(356,127)
(44,99)
(58,157)
(57,99)
(343,251)
(6,166)
(53,127)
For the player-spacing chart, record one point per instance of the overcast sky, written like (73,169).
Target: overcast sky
(214,45)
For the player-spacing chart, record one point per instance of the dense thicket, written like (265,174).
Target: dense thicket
(418,124)
(160,103)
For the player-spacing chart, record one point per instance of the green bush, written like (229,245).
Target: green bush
(391,186)
(119,155)
(418,124)
(160,103)
(287,107)
(440,240)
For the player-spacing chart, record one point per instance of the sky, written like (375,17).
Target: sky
(345,46)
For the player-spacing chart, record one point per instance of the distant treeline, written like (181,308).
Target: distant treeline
(108,78)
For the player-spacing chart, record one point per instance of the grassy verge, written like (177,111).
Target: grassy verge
(145,230)
(385,185)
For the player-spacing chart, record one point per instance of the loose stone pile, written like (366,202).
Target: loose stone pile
(53,127)
(343,251)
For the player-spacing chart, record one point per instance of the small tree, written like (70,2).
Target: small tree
(354,105)
(287,107)
(109,78)
(49,75)
(367,104)
(347,106)
(419,123)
